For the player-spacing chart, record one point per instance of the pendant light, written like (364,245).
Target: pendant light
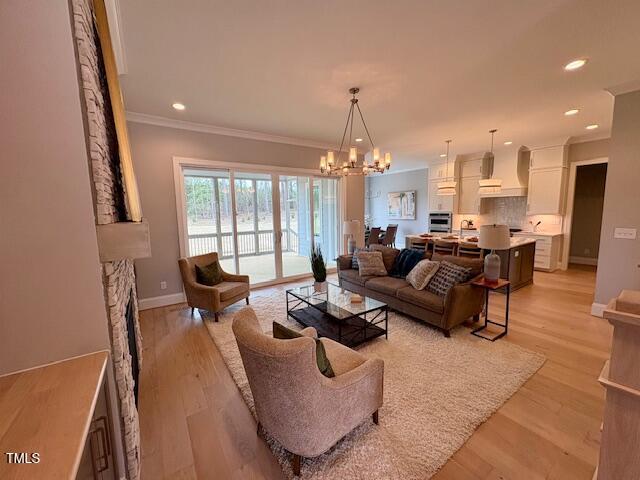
(448,187)
(490,185)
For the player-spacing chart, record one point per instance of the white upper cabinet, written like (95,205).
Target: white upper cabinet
(439,203)
(468,197)
(547,181)
(441,171)
(471,168)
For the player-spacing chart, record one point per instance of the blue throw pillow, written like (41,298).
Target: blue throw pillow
(405,261)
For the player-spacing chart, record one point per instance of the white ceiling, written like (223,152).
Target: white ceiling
(428,70)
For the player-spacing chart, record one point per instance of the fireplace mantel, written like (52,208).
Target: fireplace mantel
(124,240)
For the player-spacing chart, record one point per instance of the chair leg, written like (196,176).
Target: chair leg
(375,417)
(216,316)
(247,299)
(295,464)
(192,310)
(447,333)
(476,318)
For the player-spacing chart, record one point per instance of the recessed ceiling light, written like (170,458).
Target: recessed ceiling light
(573,111)
(508,142)
(442,155)
(593,126)
(178,106)
(358,139)
(575,64)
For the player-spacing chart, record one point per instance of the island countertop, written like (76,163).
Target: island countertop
(414,239)
(47,410)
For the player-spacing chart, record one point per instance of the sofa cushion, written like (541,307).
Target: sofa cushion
(209,275)
(353,276)
(228,290)
(371,263)
(405,261)
(448,275)
(389,254)
(422,298)
(475,264)
(324,365)
(388,285)
(422,273)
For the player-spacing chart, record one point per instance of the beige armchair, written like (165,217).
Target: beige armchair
(214,299)
(298,406)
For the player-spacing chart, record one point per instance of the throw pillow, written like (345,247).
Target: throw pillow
(209,275)
(354,257)
(389,254)
(405,261)
(422,273)
(371,263)
(283,333)
(448,275)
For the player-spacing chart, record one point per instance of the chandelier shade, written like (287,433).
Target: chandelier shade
(490,185)
(332,164)
(448,188)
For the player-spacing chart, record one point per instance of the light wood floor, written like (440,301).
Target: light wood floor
(195,424)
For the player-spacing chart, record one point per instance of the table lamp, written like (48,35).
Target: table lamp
(493,237)
(351,228)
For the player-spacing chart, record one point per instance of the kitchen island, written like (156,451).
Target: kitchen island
(516,263)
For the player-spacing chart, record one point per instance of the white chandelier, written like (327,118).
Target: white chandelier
(331,164)
(448,187)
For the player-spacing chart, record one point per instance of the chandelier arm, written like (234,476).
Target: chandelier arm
(365,126)
(344,134)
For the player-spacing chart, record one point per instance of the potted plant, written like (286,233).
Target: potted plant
(319,269)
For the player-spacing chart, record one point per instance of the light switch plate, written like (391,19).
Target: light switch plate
(626,233)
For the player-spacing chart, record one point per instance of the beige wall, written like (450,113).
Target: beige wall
(153,149)
(587,210)
(51,296)
(619,258)
(589,150)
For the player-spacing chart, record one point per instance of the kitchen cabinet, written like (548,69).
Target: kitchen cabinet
(471,168)
(517,263)
(547,250)
(442,171)
(555,156)
(468,196)
(546,191)
(439,203)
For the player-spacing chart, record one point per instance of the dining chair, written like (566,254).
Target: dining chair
(469,249)
(374,236)
(444,247)
(389,238)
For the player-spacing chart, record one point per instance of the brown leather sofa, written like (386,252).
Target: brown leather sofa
(463,301)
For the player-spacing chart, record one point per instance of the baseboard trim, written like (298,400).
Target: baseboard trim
(162,301)
(597,309)
(584,260)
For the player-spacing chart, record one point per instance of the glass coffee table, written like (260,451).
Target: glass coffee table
(332,314)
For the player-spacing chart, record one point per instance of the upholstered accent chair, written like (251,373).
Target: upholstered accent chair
(298,406)
(218,297)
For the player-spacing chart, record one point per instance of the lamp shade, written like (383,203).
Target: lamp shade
(494,237)
(350,227)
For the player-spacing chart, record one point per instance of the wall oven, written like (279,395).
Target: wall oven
(440,222)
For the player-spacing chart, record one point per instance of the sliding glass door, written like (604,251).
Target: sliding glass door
(259,240)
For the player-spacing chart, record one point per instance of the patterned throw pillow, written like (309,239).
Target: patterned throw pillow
(448,275)
(422,273)
(209,275)
(371,263)
(354,258)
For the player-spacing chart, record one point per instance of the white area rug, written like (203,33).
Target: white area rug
(437,391)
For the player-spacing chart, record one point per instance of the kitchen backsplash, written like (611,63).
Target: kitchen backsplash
(510,211)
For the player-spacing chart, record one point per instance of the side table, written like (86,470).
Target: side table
(489,287)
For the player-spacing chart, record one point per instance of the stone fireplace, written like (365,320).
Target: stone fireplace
(111,215)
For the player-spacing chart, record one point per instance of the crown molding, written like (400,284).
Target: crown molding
(229,132)
(623,88)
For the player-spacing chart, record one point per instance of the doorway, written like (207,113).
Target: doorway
(262,224)
(584,213)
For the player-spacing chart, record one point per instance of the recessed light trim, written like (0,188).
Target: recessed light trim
(358,140)
(573,111)
(442,155)
(179,106)
(575,64)
(508,142)
(593,126)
